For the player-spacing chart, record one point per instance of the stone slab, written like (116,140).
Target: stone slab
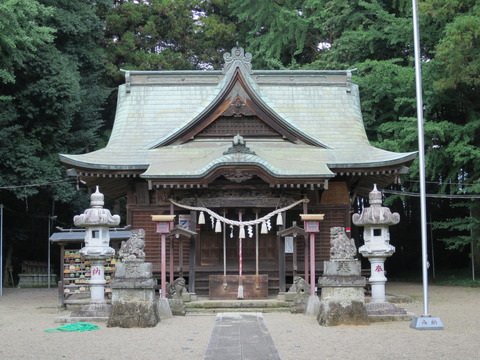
(342,268)
(134,270)
(313,306)
(163,309)
(242,336)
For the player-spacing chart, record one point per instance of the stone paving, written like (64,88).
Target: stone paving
(240,336)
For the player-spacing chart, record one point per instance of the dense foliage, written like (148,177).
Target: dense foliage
(60,64)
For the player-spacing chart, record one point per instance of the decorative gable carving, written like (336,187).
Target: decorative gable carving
(238,109)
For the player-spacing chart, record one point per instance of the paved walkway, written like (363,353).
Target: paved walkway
(240,336)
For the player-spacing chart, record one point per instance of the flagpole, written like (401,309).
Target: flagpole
(425,321)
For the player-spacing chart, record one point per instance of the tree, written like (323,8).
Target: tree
(56,93)
(21,33)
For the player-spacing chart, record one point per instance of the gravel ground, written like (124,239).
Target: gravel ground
(26,313)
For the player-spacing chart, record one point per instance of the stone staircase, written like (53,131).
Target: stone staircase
(205,306)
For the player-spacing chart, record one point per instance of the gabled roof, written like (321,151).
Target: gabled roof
(299,126)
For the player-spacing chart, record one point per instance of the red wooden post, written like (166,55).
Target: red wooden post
(312,263)
(171,261)
(305,211)
(311,226)
(163,275)
(306,259)
(164,223)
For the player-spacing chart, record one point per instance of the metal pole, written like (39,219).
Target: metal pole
(1,249)
(421,155)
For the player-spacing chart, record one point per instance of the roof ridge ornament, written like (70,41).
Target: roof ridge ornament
(239,147)
(237,58)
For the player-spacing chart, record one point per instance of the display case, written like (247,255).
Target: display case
(76,273)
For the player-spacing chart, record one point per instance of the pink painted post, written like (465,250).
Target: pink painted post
(171,260)
(240,252)
(306,259)
(164,269)
(312,263)
(305,211)
(311,223)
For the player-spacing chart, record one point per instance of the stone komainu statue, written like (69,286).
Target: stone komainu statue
(176,289)
(132,249)
(341,246)
(299,286)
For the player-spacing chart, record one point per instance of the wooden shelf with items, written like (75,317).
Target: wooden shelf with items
(76,273)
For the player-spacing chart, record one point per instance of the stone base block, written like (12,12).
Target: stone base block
(177,307)
(335,313)
(342,268)
(94,310)
(188,297)
(385,311)
(426,323)
(130,314)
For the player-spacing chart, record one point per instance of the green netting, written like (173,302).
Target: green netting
(79,326)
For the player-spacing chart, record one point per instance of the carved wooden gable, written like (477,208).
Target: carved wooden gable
(238,109)
(238,118)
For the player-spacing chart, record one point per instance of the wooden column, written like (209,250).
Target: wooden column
(163,272)
(172,272)
(192,254)
(281,260)
(306,265)
(312,263)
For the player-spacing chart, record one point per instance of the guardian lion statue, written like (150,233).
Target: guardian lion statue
(132,249)
(341,246)
(300,286)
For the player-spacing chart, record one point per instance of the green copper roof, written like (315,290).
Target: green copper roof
(319,108)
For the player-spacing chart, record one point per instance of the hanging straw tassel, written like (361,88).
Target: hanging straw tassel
(264,228)
(241,234)
(218,227)
(201,218)
(279,219)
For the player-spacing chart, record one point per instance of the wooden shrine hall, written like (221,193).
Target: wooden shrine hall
(238,155)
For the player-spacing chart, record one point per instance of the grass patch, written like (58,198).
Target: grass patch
(457,281)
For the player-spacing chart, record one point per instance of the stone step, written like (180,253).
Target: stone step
(215,306)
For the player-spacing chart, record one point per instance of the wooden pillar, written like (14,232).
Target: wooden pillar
(172,272)
(192,254)
(163,274)
(281,260)
(172,212)
(180,257)
(312,264)
(295,260)
(306,265)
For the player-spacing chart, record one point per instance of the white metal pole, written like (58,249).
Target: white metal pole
(421,154)
(48,251)
(1,249)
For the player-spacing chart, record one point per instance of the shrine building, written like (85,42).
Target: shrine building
(247,150)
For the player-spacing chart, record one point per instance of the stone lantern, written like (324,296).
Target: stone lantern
(376,219)
(96,221)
